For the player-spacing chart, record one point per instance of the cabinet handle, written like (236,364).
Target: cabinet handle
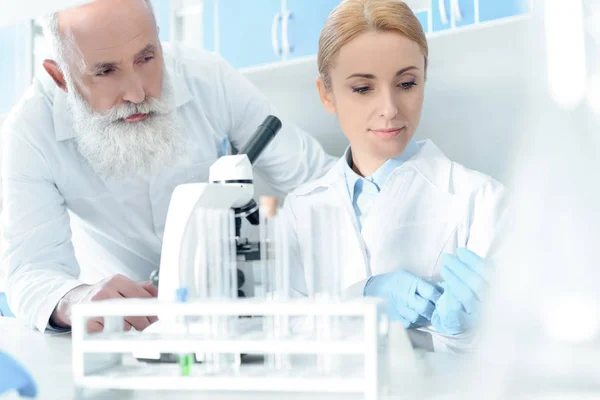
(274,35)
(287,48)
(456,11)
(443,12)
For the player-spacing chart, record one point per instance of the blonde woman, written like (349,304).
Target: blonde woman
(416,224)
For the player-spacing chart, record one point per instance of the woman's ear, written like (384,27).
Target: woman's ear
(326,96)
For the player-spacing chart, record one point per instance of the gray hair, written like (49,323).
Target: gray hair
(61,45)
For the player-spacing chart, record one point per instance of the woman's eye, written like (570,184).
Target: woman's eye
(408,85)
(361,90)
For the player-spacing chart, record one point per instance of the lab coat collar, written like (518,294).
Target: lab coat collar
(429,162)
(63,120)
(382,173)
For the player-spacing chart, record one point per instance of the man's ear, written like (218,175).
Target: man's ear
(56,74)
(326,96)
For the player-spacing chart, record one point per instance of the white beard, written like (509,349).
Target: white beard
(116,148)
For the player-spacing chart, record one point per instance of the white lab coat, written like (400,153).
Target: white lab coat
(51,192)
(428,206)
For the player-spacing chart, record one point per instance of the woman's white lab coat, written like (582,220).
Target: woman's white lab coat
(428,206)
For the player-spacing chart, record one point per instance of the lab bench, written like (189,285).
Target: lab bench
(49,359)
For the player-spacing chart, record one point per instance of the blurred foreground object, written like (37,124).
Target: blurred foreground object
(541,334)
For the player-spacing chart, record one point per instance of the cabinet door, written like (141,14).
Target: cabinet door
(423,17)
(495,9)
(246,31)
(463,12)
(304,20)
(16,69)
(440,12)
(208,24)
(163,19)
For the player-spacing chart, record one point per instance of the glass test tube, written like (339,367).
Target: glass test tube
(281,279)
(215,274)
(274,274)
(185,360)
(324,275)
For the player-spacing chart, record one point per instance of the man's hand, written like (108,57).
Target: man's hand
(114,287)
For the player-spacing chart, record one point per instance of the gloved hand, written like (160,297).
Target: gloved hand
(466,278)
(412,298)
(15,377)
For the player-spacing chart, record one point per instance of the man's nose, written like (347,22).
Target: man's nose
(134,91)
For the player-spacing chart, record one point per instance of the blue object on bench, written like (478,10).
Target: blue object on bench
(4,310)
(15,377)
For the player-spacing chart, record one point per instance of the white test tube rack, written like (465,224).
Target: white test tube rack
(98,358)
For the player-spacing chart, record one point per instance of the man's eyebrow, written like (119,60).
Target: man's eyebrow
(148,49)
(106,65)
(102,66)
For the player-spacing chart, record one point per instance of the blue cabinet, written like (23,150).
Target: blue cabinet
(449,14)
(465,14)
(15,64)
(209,17)
(162,13)
(423,17)
(249,33)
(304,20)
(440,12)
(490,10)
(8,43)
(245,31)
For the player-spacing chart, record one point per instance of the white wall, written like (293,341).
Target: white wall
(476,96)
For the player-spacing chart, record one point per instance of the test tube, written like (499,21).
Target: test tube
(274,274)
(215,273)
(281,279)
(324,274)
(267,212)
(186,360)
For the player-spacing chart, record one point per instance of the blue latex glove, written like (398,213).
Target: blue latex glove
(465,283)
(15,377)
(412,299)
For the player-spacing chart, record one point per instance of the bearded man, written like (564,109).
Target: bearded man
(94,150)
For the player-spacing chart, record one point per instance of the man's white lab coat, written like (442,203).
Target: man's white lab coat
(428,206)
(52,195)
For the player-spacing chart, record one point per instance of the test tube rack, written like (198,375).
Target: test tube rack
(98,359)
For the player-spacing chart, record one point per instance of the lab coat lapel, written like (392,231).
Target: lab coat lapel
(356,257)
(414,216)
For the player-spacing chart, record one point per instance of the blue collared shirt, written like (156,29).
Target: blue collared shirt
(363,191)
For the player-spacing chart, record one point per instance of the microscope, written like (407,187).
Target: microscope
(231,187)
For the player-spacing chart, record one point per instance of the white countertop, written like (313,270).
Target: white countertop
(48,359)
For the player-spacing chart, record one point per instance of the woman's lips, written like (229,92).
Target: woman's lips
(387,133)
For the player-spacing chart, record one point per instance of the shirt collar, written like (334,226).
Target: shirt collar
(351,176)
(382,173)
(63,120)
(429,163)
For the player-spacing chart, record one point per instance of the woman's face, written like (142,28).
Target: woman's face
(377,86)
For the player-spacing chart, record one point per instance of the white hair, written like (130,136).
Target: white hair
(112,146)
(52,34)
(61,45)
(115,148)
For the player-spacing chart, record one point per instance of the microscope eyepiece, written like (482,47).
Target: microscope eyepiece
(261,138)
